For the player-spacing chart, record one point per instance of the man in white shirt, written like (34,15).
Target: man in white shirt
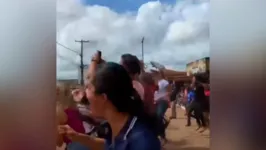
(161,98)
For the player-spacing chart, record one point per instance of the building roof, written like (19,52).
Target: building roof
(173,75)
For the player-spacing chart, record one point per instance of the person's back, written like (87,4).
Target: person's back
(200,96)
(162,92)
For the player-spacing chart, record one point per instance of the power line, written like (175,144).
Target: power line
(67,59)
(81,54)
(68,48)
(81,65)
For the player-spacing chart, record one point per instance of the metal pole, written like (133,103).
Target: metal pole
(142,49)
(82,66)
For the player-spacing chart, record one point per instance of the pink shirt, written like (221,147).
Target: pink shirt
(139,88)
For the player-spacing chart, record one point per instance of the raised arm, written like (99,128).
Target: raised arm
(92,67)
(96,59)
(91,142)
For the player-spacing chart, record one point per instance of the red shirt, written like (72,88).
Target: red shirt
(73,120)
(149,98)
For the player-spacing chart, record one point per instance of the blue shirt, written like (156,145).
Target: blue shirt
(190,96)
(134,136)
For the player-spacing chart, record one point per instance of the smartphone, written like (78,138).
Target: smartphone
(99,53)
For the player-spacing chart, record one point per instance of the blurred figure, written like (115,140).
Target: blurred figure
(174,95)
(133,67)
(185,96)
(61,117)
(202,80)
(161,98)
(149,85)
(196,105)
(189,106)
(68,105)
(181,95)
(206,105)
(82,104)
(190,95)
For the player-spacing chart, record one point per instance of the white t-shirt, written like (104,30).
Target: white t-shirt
(162,91)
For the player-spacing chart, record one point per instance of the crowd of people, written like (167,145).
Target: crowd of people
(122,107)
(195,98)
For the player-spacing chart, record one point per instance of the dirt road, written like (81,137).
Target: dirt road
(185,138)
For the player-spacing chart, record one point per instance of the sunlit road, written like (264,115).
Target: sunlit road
(184,138)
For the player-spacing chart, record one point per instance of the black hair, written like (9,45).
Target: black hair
(113,80)
(131,63)
(84,100)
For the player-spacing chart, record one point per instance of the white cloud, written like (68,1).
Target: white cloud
(174,34)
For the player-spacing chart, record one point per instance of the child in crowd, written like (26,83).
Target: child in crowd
(67,113)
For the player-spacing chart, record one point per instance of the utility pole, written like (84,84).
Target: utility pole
(82,66)
(142,49)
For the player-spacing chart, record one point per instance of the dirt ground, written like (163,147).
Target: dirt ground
(185,138)
(181,137)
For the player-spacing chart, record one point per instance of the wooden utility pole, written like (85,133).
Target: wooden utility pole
(82,66)
(142,49)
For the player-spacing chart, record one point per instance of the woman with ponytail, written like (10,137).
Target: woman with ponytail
(133,66)
(112,97)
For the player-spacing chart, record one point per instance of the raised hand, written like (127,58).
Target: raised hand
(67,131)
(78,95)
(97,57)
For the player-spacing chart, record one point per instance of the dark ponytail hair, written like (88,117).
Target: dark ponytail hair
(113,80)
(137,108)
(131,63)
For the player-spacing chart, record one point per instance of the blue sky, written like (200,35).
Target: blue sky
(123,5)
(117,33)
